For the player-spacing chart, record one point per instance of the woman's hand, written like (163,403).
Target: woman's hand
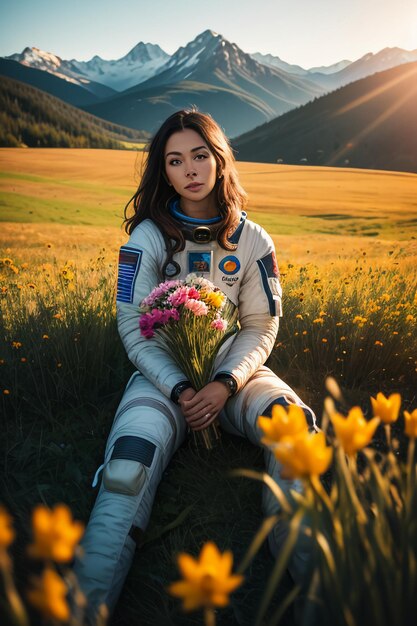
(205,405)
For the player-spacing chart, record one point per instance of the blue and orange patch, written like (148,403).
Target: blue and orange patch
(229,265)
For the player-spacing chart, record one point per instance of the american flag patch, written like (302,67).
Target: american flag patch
(129,264)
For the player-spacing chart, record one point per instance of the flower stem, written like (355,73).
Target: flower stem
(410,469)
(209,616)
(388,435)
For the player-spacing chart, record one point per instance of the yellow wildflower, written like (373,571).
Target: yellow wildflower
(207,581)
(67,273)
(303,455)
(353,431)
(6,392)
(215,298)
(318,320)
(298,316)
(387,409)
(378,343)
(56,534)
(411,424)
(7,261)
(324,340)
(57,316)
(31,285)
(48,596)
(409,318)
(45,336)
(16,345)
(4,289)
(7,533)
(282,423)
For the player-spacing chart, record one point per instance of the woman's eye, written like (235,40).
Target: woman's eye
(201,155)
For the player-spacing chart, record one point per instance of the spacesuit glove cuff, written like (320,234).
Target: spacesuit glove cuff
(178,389)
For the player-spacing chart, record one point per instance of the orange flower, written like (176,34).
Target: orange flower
(411,424)
(207,581)
(304,455)
(387,409)
(48,596)
(56,534)
(353,431)
(282,423)
(7,533)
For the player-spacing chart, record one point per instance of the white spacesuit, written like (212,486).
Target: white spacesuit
(149,426)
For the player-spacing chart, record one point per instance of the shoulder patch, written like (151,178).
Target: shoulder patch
(129,264)
(268,268)
(270,264)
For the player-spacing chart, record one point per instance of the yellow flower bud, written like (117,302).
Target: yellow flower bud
(282,423)
(411,424)
(207,581)
(387,409)
(304,455)
(353,431)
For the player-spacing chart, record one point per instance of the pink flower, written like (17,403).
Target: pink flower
(148,322)
(160,291)
(180,296)
(194,293)
(196,306)
(219,324)
(146,325)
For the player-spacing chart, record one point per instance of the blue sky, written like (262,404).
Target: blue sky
(305,32)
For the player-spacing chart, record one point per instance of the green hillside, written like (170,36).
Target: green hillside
(370,123)
(31,117)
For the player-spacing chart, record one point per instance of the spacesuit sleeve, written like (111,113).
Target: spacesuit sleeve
(140,261)
(259,311)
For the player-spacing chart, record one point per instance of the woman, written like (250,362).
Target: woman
(187,217)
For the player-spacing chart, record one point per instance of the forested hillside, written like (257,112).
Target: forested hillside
(31,117)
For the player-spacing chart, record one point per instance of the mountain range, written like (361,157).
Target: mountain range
(142,88)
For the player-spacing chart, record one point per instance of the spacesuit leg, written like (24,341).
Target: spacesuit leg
(240,417)
(147,430)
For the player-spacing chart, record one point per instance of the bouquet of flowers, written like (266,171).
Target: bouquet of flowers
(191,319)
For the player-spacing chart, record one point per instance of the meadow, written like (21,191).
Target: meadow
(347,251)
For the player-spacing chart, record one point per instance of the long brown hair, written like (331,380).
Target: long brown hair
(154,193)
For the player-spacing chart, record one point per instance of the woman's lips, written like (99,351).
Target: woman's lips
(194,186)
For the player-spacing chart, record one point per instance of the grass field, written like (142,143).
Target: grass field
(346,246)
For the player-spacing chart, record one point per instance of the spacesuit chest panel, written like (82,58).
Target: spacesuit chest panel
(223,268)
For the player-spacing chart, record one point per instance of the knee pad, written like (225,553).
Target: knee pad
(125,472)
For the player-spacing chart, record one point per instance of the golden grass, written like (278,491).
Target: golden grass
(345,243)
(312,213)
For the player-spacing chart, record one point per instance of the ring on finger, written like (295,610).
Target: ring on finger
(207,415)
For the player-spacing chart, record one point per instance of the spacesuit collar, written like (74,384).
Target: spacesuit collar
(194,229)
(199,230)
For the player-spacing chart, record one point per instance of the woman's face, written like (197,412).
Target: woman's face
(188,161)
